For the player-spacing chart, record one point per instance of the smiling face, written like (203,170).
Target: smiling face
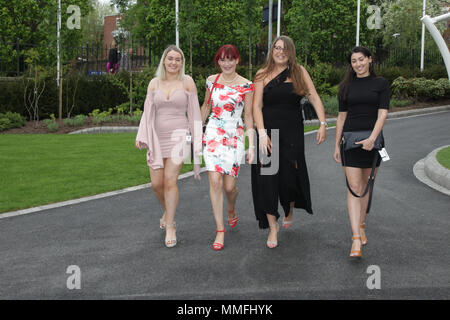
(228,65)
(361,64)
(173,62)
(280,54)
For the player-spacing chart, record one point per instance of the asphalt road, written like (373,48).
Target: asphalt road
(119,249)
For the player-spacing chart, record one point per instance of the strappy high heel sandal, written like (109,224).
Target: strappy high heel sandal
(273,244)
(170,243)
(217,245)
(286,224)
(362,229)
(162,224)
(356,253)
(233,222)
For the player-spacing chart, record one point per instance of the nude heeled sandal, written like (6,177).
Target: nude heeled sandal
(170,243)
(273,244)
(356,253)
(362,228)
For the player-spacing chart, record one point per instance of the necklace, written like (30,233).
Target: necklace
(224,80)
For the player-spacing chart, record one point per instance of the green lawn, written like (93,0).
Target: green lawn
(42,169)
(46,168)
(443,156)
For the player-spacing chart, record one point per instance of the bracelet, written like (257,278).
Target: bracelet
(252,147)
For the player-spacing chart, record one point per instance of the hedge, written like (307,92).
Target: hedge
(109,91)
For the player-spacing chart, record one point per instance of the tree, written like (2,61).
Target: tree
(403,17)
(249,29)
(319,28)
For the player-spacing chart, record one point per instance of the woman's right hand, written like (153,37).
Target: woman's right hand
(337,154)
(265,145)
(139,145)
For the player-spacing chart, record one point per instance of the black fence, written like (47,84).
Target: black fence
(92,59)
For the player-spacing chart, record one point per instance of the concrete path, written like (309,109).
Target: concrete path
(119,249)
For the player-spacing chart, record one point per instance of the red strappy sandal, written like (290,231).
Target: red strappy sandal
(216,245)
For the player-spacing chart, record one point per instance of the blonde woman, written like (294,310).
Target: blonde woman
(279,87)
(171,119)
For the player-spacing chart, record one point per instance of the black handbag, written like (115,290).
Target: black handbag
(349,138)
(308,111)
(348,143)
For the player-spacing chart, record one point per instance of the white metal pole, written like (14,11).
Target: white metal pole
(358,22)
(177,37)
(429,23)
(278,18)
(58,28)
(422,52)
(270,27)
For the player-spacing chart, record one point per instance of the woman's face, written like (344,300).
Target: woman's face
(173,62)
(361,64)
(280,54)
(228,65)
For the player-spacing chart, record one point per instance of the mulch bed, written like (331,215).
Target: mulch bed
(42,128)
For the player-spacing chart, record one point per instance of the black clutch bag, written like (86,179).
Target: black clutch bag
(349,138)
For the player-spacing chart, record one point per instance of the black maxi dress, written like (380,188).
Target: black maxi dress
(290,183)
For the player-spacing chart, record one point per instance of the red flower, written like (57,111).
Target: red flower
(233,142)
(212,145)
(218,168)
(220,131)
(235,170)
(229,107)
(217,111)
(224,141)
(223,97)
(240,130)
(239,98)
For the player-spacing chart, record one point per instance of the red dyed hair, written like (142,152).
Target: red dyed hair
(227,51)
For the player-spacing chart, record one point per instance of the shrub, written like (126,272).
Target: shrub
(11,120)
(53,126)
(331,104)
(4,123)
(68,122)
(421,88)
(79,120)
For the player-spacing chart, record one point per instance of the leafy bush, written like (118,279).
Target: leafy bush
(331,104)
(79,120)
(10,120)
(421,88)
(4,124)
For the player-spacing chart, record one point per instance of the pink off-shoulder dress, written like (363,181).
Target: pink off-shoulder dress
(165,123)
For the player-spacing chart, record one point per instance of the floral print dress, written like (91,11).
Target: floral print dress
(223,141)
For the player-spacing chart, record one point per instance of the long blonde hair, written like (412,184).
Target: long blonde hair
(161,71)
(294,67)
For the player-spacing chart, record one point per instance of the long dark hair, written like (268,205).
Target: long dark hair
(351,74)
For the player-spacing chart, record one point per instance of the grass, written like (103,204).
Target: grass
(443,156)
(40,169)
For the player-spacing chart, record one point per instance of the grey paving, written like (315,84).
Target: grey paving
(119,248)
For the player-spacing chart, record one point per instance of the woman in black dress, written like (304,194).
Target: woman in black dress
(279,87)
(363,106)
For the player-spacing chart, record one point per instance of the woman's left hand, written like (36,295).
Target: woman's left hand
(367,144)
(321,134)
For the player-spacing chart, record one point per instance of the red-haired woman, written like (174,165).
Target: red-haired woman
(223,149)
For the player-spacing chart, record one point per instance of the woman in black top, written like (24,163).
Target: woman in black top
(279,87)
(363,106)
